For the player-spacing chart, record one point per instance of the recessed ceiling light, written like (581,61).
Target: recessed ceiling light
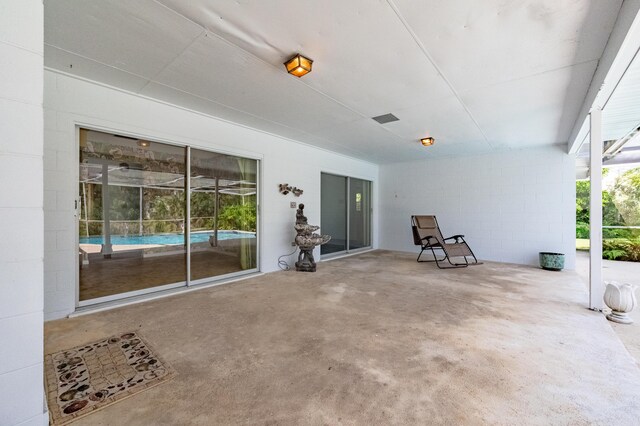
(298,65)
(427,141)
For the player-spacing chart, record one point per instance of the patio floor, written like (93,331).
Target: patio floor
(376,339)
(623,272)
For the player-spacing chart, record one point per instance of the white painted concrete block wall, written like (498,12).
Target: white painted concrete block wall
(509,205)
(70,102)
(21,221)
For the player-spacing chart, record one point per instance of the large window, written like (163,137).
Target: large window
(143,226)
(346,213)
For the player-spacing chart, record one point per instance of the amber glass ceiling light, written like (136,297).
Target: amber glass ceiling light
(427,141)
(298,65)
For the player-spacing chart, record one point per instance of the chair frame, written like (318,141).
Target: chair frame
(431,242)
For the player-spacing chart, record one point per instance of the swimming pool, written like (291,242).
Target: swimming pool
(166,239)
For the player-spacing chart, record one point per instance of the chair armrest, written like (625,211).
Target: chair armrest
(456,237)
(428,237)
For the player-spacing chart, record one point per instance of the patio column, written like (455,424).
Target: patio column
(22,246)
(187,212)
(217,209)
(596,287)
(106,207)
(141,200)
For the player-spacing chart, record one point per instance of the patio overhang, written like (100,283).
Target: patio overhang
(609,136)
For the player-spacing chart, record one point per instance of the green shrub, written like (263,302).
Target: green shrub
(621,249)
(617,233)
(613,254)
(238,216)
(633,251)
(582,230)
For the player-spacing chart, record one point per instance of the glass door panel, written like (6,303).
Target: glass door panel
(223,214)
(346,213)
(333,219)
(359,213)
(131,216)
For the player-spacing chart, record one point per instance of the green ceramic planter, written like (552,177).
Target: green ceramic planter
(551,261)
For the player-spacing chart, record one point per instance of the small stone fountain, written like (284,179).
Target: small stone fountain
(306,240)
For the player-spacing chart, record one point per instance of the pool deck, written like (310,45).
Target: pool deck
(97,248)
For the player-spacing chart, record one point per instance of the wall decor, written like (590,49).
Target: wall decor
(285,188)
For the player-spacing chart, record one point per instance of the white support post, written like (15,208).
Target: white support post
(107,249)
(596,286)
(141,199)
(187,227)
(217,210)
(86,208)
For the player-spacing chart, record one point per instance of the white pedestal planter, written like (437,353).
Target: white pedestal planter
(621,299)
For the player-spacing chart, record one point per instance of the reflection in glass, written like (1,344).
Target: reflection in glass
(333,220)
(132,214)
(223,214)
(359,213)
(346,213)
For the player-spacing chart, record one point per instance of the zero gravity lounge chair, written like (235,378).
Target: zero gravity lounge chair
(427,235)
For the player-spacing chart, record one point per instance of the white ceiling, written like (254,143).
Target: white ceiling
(620,116)
(621,113)
(476,75)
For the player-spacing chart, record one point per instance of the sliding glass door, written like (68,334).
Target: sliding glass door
(223,214)
(345,213)
(333,219)
(359,213)
(142,226)
(132,215)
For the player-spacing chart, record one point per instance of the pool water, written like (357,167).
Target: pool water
(166,239)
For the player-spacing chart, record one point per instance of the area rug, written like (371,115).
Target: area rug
(90,377)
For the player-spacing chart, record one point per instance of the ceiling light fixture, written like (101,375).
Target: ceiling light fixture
(143,143)
(427,141)
(298,65)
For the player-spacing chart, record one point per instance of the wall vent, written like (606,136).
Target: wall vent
(385,118)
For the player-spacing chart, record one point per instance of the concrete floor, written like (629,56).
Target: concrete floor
(622,272)
(376,339)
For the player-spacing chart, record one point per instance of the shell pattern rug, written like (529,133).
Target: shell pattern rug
(90,377)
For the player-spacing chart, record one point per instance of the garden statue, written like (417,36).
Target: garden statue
(306,240)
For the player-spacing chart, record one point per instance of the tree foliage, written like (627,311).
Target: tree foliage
(163,210)
(610,214)
(238,216)
(620,207)
(626,196)
(582,201)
